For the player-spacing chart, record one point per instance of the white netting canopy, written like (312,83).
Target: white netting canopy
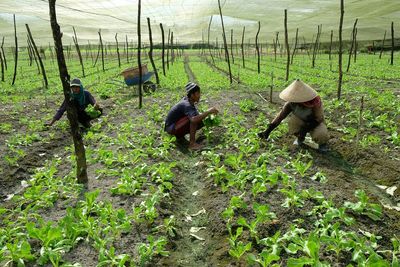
(189,19)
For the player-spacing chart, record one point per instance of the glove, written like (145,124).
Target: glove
(266,133)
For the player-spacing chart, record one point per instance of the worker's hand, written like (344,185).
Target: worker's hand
(264,135)
(48,124)
(213,110)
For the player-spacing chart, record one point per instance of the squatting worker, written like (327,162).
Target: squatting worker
(81,98)
(183,118)
(307,115)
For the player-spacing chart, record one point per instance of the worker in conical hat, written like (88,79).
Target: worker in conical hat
(307,114)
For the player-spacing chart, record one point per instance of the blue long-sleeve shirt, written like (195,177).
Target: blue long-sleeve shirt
(89,99)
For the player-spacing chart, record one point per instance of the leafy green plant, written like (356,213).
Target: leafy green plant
(92,112)
(247,105)
(373,211)
(153,248)
(300,166)
(212,120)
(18,252)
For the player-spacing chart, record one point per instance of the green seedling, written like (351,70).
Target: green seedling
(373,211)
(153,248)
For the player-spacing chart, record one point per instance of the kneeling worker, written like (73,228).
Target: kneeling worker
(307,115)
(183,118)
(81,99)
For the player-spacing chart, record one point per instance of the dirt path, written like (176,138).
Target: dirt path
(195,204)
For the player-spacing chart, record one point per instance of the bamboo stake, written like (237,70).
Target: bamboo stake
(233,58)
(287,47)
(271,87)
(225,44)
(119,58)
(258,49)
(383,45)
(359,125)
(352,44)
(138,53)
(16,51)
(127,48)
(102,50)
(4,55)
(38,56)
(391,56)
(208,40)
(168,47)
(163,48)
(29,51)
(242,46)
(172,49)
(151,53)
(78,50)
(2,66)
(295,45)
(339,91)
(33,54)
(330,46)
(355,46)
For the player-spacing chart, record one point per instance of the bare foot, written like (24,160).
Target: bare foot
(195,146)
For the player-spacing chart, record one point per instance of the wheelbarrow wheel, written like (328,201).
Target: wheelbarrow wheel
(149,87)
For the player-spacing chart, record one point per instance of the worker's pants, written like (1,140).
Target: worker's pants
(319,134)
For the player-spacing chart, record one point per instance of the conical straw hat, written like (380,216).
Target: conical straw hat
(298,92)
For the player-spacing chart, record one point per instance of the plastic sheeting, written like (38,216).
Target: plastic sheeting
(189,19)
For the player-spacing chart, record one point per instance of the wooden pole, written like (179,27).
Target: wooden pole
(4,55)
(225,43)
(233,58)
(78,50)
(127,48)
(276,44)
(168,47)
(330,46)
(355,45)
(38,56)
(295,45)
(257,48)
(208,40)
(383,45)
(102,50)
(242,46)
(29,51)
(138,53)
(315,48)
(359,125)
(16,52)
(172,48)
(391,56)
(81,167)
(287,47)
(2,66)
(339,90)
(271,87)
(352,44)
(151,53)
(163,48)
(33,54)
(118,55)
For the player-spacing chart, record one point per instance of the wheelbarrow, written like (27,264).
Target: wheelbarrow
(131,78)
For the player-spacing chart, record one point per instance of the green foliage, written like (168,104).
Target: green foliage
(92,112)
(373,211)
(247,105)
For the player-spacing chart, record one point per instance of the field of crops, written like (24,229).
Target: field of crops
(240,201)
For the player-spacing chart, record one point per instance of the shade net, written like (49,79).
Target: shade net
(189,19)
